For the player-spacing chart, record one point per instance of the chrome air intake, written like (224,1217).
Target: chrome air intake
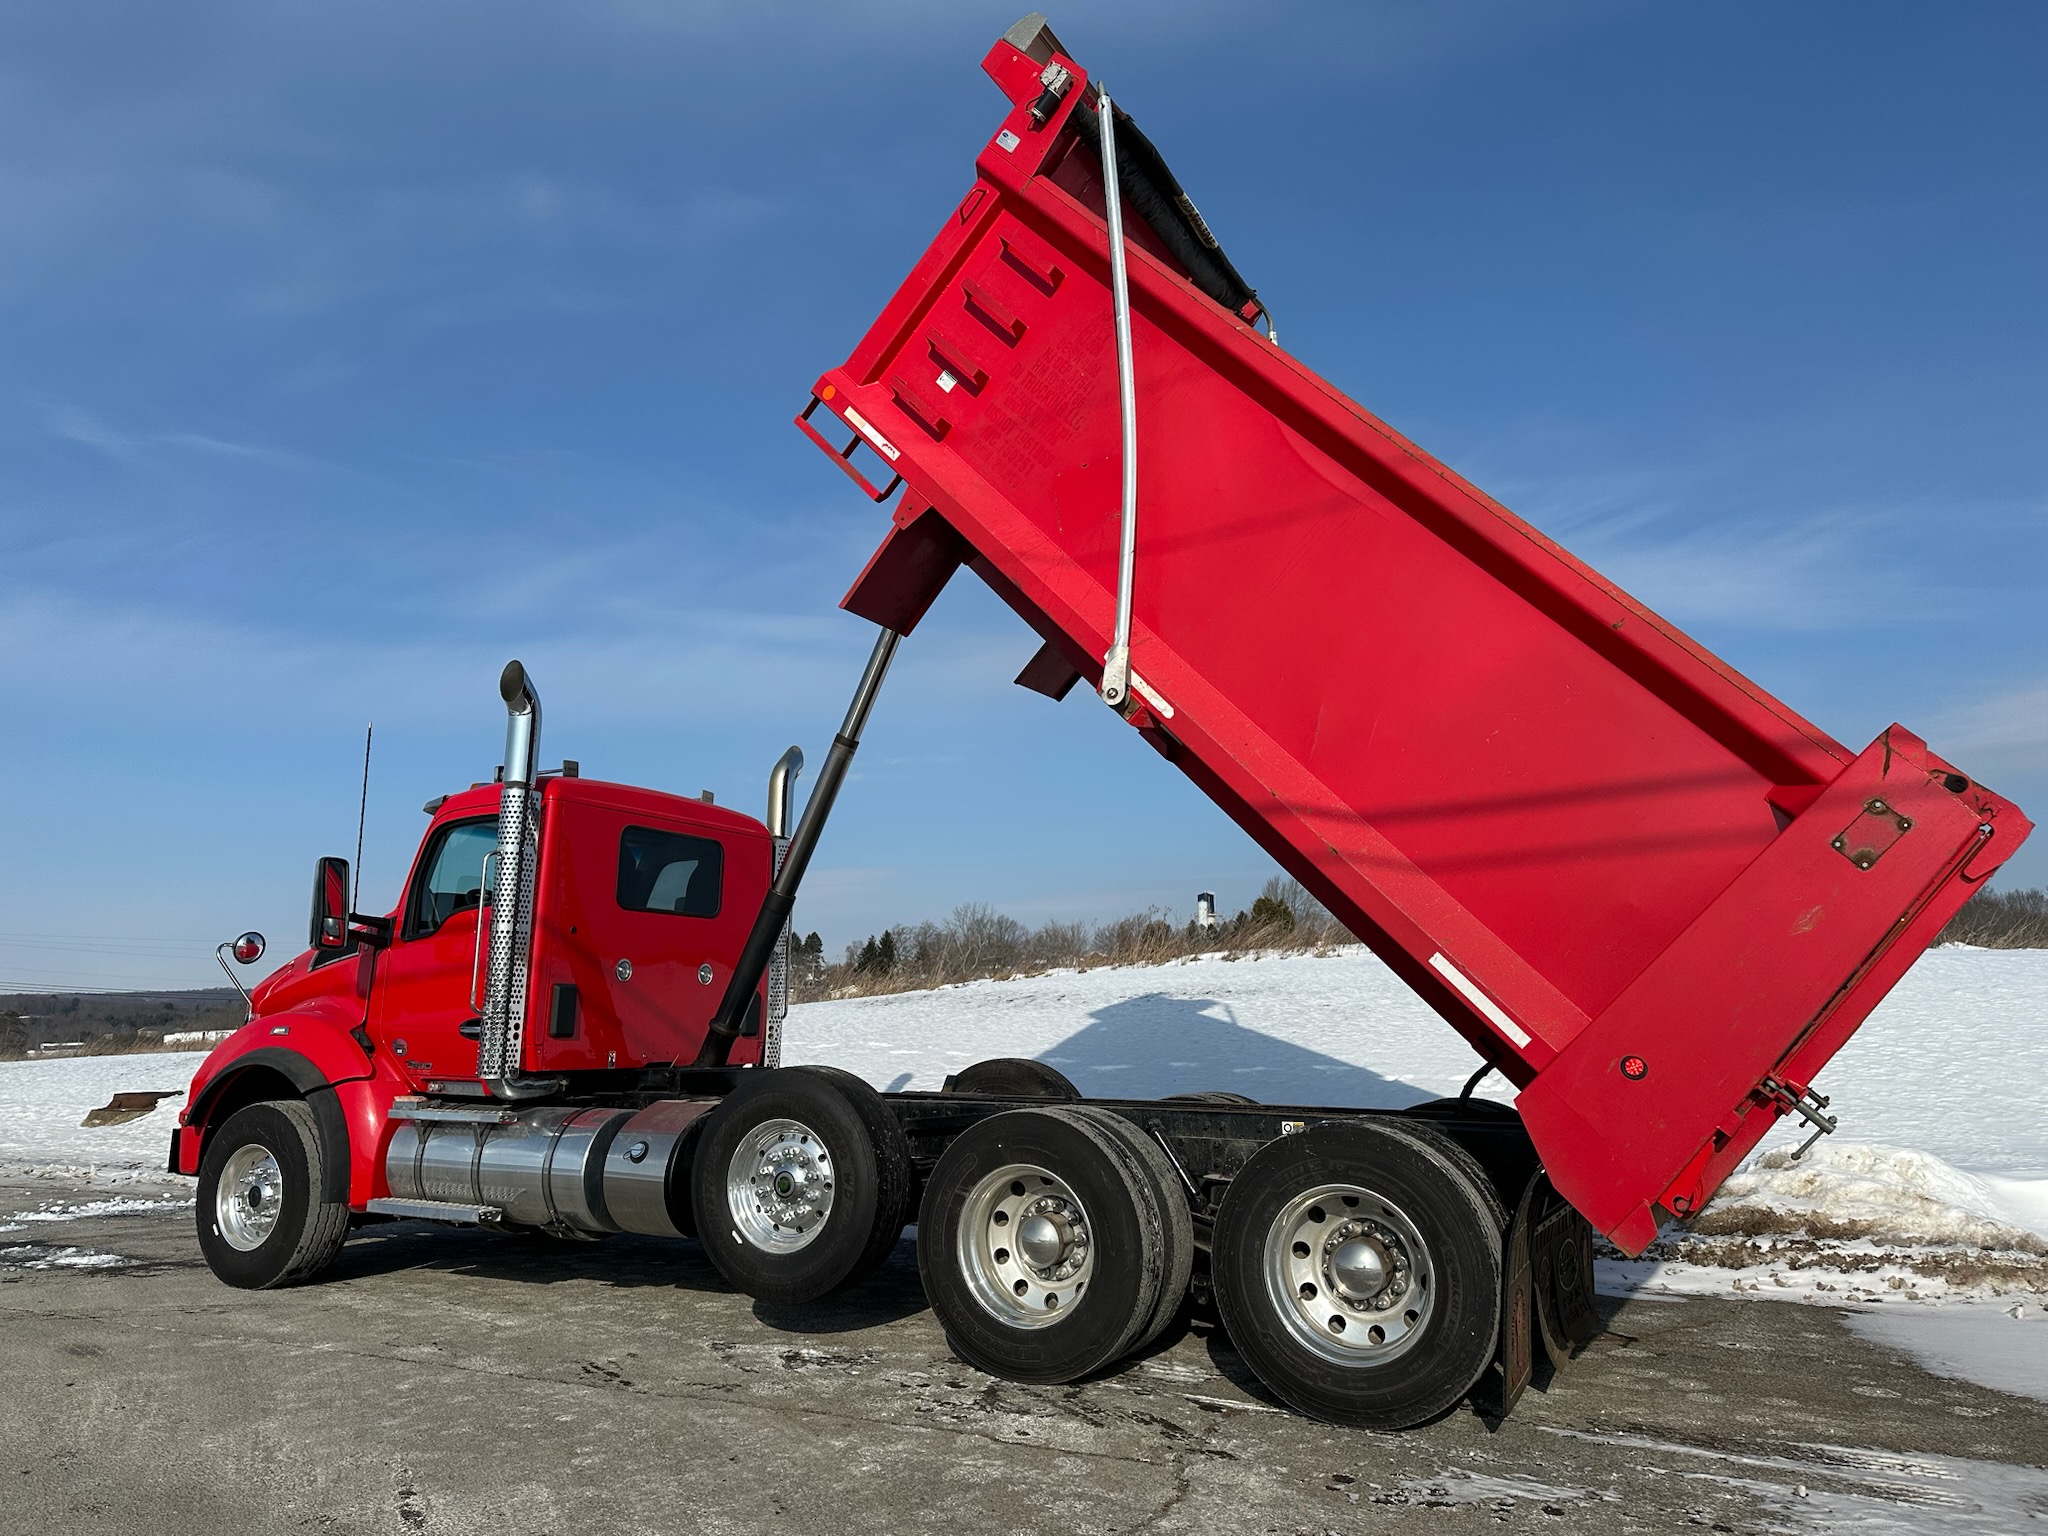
(503,1015)
(576,1171)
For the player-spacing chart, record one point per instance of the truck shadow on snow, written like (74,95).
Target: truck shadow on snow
(1151,1046)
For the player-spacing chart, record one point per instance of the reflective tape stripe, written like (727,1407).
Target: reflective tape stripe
(1478,999)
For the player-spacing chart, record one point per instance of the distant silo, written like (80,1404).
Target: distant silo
(1205,909)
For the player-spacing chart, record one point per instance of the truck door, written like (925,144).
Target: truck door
(670,895)
(422,996)
(641,916)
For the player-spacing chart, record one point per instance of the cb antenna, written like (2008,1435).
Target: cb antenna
(362,813)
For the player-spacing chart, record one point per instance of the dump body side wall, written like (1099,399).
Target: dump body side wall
(1525,790)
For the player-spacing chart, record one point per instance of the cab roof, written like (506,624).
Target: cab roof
(482,799)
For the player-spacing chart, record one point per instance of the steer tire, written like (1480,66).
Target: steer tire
(1012,1077)
(262,1221)
(848,1172)
(1424,1218)
(964,1252)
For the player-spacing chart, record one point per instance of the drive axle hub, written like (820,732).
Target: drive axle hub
(1349,1274)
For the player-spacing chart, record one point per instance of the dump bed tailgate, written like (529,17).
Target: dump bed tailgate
(1651,894)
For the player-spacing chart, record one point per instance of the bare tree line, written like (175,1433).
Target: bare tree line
(978,943)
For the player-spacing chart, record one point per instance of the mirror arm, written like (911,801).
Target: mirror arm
(373,931)
(221,954)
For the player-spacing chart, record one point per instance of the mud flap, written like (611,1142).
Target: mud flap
(1561,1263)
(1515,1362)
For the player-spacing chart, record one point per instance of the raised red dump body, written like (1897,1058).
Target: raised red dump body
(1649,893)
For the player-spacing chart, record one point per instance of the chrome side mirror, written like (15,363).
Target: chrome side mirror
(247,950)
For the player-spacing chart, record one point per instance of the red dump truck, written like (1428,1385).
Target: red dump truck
(1647,893)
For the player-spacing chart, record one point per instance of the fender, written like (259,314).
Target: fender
(322,1054)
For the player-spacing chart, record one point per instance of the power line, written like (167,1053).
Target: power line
(98,938)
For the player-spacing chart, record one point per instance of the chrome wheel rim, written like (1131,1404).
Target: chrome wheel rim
(1349,1274)
(1025,1246)
(780,1185)
(248,1197)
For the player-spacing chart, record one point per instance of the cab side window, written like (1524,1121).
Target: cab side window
(670,872)
(454,874)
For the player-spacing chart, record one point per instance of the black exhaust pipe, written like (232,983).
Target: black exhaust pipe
(775,908)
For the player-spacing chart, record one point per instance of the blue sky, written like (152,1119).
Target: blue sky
(349,350)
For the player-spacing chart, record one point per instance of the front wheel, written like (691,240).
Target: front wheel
(262,1221)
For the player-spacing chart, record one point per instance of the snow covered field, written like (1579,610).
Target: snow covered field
(1936,1188)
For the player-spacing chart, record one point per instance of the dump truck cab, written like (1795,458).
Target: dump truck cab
(641,904)
(634,907)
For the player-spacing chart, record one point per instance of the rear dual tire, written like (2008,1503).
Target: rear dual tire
(1357,1269)
(1053,1242)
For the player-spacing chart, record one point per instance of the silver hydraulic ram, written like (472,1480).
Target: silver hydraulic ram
(770,925)
(503,1016)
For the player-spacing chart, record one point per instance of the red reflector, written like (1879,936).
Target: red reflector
(1634,1068)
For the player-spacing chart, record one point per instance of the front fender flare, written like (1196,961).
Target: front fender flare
(313,1084)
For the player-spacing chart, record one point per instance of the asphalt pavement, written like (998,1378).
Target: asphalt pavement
(448,1380)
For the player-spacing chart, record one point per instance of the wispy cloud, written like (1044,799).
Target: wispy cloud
(2002,733)
(73,425)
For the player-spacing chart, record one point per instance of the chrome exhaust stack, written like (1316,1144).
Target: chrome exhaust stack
(781,787)
(503,1014)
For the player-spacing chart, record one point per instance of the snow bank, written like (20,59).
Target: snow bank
(1954,1062)
(1862,1190)
(1949,1199)
(1338,1029)
(41,1103)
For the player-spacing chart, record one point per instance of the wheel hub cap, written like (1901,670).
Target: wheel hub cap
(1349,1275)
(1358,1268)
(780,1186)
(1024,1246)
(249,1197)
(1041,1241)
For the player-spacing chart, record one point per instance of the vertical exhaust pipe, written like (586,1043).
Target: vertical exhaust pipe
(773,919)
(503,1024)
(781,788)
